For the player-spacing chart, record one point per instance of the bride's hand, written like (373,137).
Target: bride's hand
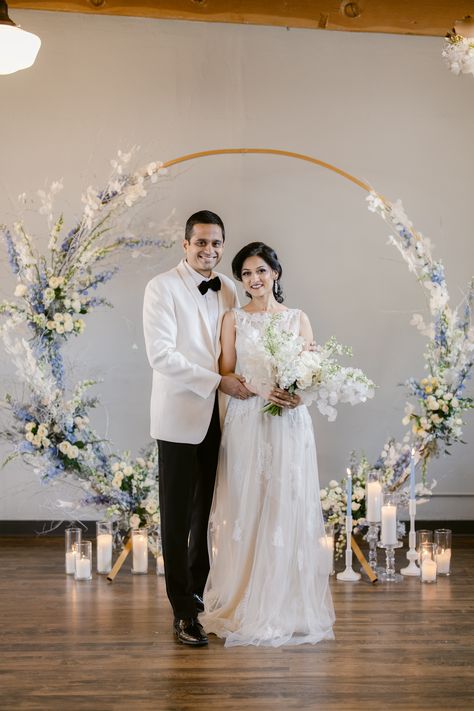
(283,398)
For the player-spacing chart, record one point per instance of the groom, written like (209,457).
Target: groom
(182,314)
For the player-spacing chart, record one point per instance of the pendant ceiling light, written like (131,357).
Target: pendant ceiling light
(18,49)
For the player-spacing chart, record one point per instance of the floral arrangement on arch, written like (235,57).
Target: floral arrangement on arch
(458,50)
(48,425)
(438,401)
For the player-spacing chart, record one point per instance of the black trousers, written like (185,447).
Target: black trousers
(187,474)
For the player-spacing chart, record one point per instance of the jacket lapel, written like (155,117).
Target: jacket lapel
(197,296)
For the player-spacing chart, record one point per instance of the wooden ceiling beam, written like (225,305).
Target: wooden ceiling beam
(413,17)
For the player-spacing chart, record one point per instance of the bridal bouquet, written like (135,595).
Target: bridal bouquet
(314,375)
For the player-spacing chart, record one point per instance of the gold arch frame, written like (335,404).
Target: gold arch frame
(268,151)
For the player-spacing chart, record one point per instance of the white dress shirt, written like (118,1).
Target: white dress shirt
(210,298)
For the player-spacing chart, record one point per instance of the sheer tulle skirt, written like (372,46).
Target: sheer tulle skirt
(268,582)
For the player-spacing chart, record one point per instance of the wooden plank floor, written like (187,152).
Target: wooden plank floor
(97,646)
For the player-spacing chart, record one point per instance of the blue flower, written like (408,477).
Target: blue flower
(12,253)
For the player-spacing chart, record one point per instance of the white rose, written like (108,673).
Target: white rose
(141,462)
(151,506)
(29,436)
(73,452)
(63,447)
(355,506)
(21,290)
(48,295)
(326,505)
(29,426)
(156,517)
(134,521)
(128,471)
(323,494)
(115,467)
(455,402)
(333,483)
(117,480)
(59,328)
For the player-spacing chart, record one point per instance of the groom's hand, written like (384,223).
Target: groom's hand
(233,385)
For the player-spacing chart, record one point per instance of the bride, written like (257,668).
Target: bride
(268,581)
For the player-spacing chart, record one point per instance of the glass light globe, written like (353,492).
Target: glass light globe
(18,49)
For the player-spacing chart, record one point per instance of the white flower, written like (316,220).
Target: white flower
(355,506)
(323,494)
(128,471)
(21,290)
(333,484)
(141,462)
(134,521)
(54,282)
(29,436)
(151,506)
(117,480)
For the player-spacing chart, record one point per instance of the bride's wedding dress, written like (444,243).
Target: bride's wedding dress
(268,582)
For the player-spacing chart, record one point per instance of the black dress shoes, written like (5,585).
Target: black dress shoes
(199,602)
(189,631)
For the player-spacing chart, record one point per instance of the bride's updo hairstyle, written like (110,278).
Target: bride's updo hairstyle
(259,249)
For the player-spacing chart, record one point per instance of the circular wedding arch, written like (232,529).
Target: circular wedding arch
(267,151)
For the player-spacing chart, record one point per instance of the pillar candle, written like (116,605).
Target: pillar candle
(327,547)
(83,568)
(374,501)
(70,562)
(140,554)
(104,552)
(443,560)
(389,525)
(428,570)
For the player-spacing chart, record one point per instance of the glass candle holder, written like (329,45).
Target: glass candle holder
(327,547)
(423,536)
(140,551)
(427,560)
(104,546)
(388,533)
(72,537)
(373,497)
(442,544)
(83,561)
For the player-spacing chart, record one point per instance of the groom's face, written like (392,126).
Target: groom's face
(204,248)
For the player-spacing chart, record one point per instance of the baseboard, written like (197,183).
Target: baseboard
(42,528)
(56,528)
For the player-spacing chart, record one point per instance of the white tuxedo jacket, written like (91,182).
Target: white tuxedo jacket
(183,354)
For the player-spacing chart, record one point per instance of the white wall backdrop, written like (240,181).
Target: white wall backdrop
(381,107)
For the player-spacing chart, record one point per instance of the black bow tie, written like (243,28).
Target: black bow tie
(214,284)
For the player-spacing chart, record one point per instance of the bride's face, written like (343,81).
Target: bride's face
(257,277)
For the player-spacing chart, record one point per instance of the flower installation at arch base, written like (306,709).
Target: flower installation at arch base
(48,426)
(434,412)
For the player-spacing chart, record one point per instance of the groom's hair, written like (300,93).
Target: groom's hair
(203,217)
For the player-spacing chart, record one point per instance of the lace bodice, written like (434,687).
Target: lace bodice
(252,362)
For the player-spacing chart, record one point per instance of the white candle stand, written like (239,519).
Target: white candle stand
(372,537)
(412,555)
(348,575)
(389,575)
